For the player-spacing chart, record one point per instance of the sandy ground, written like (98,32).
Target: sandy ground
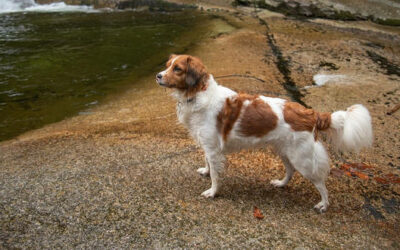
(124,174)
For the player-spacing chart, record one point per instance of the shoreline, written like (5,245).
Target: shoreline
(380,12)
(125,175)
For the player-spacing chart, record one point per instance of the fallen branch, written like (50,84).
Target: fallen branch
(254,78)
(394,109)
(270,93)
(238,75)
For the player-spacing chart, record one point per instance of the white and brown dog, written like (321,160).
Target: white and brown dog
(222,121)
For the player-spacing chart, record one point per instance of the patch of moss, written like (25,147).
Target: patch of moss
(313,11)
(391,68)
(345,16)
(389,22)
(283,66)
(158,5)
(241,3)
(330,66)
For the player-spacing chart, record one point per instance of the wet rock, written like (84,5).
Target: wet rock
(391,205)
(386,13)
(152,5)
(391,68)
(328,65)
(125,4)
(372,210)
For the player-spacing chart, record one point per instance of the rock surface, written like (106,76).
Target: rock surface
(124,175)
(381,11)
(385,11)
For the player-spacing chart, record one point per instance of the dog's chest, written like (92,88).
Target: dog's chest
(188,115)
(192,118)
(183,113)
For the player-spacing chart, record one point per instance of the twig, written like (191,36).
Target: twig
(271,93)
(394,109)
(255,78)
(238,75)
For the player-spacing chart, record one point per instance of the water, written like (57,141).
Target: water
(53,65)
(9,6)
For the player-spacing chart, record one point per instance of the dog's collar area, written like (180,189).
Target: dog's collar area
(192,99)
(187,101)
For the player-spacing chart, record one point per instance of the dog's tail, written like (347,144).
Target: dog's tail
(351,130)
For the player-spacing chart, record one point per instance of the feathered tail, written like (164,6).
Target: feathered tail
(351,129)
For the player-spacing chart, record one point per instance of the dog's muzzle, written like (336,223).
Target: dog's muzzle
(158,78)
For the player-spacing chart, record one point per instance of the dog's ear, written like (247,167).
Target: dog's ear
(171,56)
(195,72)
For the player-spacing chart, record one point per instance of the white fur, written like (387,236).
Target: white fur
(352,129)
(299,150)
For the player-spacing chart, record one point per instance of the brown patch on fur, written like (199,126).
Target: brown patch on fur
(258,119)
(228,116)
(304,119)
(299,117)
(187,74)
(323,120)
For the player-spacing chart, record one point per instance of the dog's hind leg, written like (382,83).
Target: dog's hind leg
(324,203)
(313,163)
(206,170)
(288,175)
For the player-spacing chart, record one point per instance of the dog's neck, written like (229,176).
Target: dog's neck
(201,96)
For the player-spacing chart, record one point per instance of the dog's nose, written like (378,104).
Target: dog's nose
(159,76)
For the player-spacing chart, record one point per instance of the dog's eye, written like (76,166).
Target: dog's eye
(177,69)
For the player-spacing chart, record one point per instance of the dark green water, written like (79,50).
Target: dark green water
(54,65)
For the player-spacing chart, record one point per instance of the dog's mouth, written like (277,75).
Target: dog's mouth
(163,84)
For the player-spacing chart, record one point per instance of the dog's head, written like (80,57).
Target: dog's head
(185,73)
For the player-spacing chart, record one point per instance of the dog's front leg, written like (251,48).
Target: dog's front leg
(216,162)
(206,170)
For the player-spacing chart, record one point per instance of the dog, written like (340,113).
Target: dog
(222,121)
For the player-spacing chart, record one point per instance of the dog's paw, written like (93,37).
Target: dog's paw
(209,193)
(278,183)
(321,207)
(203,171)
